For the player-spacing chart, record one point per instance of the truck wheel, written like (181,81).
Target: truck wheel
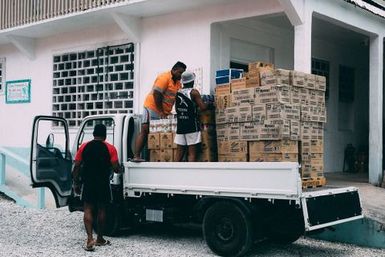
(227,229)
(112,226)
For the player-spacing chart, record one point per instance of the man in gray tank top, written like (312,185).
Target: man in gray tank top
(188,132)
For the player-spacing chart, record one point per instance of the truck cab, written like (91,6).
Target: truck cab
(236,203)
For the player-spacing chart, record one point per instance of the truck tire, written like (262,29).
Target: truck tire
(227,229)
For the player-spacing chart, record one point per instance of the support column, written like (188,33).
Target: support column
(302,44)
(375,109)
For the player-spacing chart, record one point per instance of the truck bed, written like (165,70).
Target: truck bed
(275,180)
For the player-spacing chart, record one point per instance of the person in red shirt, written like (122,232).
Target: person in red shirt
(91,174)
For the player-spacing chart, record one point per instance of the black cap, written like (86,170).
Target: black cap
(100,130)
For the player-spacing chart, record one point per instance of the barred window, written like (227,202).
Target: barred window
(99,81)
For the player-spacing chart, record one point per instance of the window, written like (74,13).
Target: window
(346,98)
(321,67)
(2,75)
(346,84)
(99,81)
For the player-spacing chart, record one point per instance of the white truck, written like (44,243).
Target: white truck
(236,203)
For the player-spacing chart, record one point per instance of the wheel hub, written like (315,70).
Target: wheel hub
(225,230)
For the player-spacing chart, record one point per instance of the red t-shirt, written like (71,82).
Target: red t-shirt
(111,149)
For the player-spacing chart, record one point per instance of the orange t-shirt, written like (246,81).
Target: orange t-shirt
(165,85)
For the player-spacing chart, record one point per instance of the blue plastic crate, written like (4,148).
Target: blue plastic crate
(232,73)
(222,80)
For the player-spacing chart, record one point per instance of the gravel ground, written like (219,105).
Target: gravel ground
(32,232)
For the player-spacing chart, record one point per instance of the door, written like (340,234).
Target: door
(51,160)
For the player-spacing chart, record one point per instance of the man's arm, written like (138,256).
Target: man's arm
(197,98)
(76,177)
(158,98)
(116,167)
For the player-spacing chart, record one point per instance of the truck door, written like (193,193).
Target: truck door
(51,160)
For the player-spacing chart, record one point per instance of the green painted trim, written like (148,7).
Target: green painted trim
(19,200)
(364,232)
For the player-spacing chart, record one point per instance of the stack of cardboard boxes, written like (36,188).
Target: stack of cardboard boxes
(272,115)
(160,140)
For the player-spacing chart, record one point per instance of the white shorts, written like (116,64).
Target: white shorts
(188,139)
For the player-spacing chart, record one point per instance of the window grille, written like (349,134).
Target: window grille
(99,81)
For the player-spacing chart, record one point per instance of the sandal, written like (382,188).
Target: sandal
(106,242)
(89,247)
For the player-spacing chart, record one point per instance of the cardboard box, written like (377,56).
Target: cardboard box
(222,101)
(295,130)
(283,111)
(232,114)
(222,132)
(249,131)
(246,95)
(272,94)
(166,155)
(154,155)
(316,146)
(270,132)
(320,83)
(297,78)
(267,77)
(233,158)
(256,65)
(245,113)
(232,147)
(153,141)
(253,82)
(166,140)
(282,76)
(222,89)
(258,113)
(238,84)
(295,95)
(310,81)
(278,146)
(283,125)
(273,157)
(220,117)
(233,131)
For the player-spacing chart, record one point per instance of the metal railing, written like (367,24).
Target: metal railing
(15,13)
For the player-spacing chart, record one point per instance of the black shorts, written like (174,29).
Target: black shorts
(96,193)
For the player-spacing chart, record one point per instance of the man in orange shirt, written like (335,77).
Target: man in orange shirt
(159,102)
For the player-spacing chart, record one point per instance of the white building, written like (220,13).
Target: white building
(60,49)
